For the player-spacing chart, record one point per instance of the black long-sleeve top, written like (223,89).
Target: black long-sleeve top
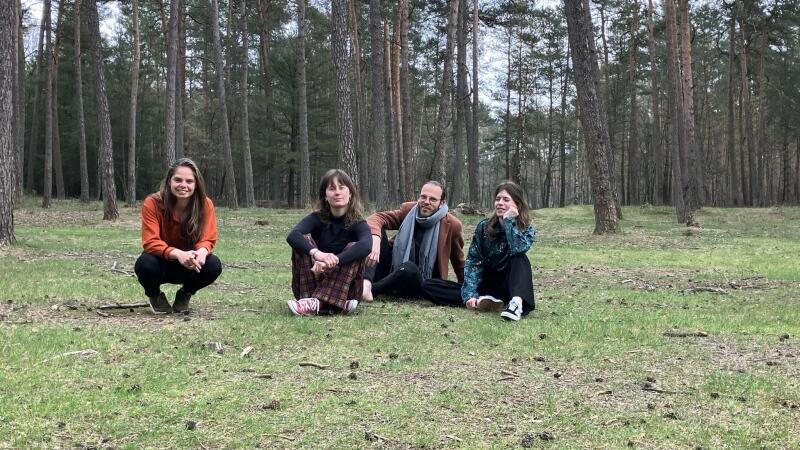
(332,237)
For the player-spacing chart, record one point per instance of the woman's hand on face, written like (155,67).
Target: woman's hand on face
(329,259)
(472,303)
(511,213)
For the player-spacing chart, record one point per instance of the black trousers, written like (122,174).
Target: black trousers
(515,280)
(153,271)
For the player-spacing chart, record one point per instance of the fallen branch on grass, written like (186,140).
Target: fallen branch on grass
(685,334)
(712,289)
(102,314)
(82,353)
(123,306)
(116,269)
(313,364)
(288,438)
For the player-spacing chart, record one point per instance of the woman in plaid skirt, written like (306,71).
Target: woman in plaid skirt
(329,247)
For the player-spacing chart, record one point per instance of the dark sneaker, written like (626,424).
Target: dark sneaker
(514,309)
(489,303)
(159,304)
(181,304)
(304,307)
(350,307)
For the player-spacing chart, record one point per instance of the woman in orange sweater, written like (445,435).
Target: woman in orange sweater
(179,230)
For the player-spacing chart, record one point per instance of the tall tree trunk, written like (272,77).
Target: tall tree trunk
(17,126)
(106,148)
(595,128)
(633,122)
(38,88)
(379,155)
(754,198)
(472,158)
(130,190)
(461,124)
(508,107)
(734,184)
(21,102)
(58,167)
(562,145)
(180,82)
(84,171)
(47,190)
(440,146)
(406,106)
(392,157)
(224,132)
(265,42)
(657,140)
(361,108)
(694,164)
(250,194)
(763,154)
(8,146)
(341,65)
(675,97)
(302,114)
(172,63)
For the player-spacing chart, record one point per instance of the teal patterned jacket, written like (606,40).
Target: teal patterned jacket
(493,254)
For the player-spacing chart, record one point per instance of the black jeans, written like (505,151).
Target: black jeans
(153,271)
(515,280)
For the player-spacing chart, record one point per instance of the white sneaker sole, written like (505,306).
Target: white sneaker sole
(489,303)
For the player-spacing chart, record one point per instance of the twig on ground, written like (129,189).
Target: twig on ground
(233,266)
(102,314)
(712,289)
(509,373)
(116,269)
(685,334)
(123,306)
(83,353)
(313,364)
(661,391)
(507,379)
(288,438)
(455,438)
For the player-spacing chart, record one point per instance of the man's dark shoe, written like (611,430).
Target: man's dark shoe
(181,304)
(159,304)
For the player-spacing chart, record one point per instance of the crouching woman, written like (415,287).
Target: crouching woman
(329,247)
(179,231)
(497,272)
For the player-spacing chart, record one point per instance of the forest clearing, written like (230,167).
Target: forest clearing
(658,336)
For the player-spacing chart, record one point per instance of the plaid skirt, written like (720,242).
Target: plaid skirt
(334,286)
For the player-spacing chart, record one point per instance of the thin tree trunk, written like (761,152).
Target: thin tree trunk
(763,153)
(440,146)
(694,164)
(264,47)
(379,155)
(658,142)
(633,122)
(21,102)
(392,157)
(250,195)
(595,128)
(473,156)
(405,104)
(734,184)
(58,167)
(180,82)
(508,108)
(8,145)
(38,88)
(172,63)
(461,125)
(341,65)
(562,145)
(17,98)
(47,190)
(361,109)
(84,171)
(106,149)
(675,97)
(302,115)
(224,131)
(130,190)
(754,198)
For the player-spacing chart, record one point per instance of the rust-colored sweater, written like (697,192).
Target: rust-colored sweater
(160,236)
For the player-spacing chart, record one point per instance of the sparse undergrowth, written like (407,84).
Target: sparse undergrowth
(655,338)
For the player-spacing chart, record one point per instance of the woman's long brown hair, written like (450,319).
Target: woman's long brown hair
(194,215)
(355,209)
(516,193)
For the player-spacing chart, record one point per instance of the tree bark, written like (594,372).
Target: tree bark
(130,189)
(754,197)
(47,190)
(379,155)
(397,112)
(595,128)
(473,155)
(172,62)
(17,100)
(440,146)
(460,129)
(84,171)
(677,136)
(633,122)
(763,153)
(180,83)
(341,65)
(694,165)
(250,195)
(361,109)
(106,149)
(562,145)
(8,145)
(38,88)
(302,114)
(657,188)
(58,167)
(734,184)
(392,157)
(224,132)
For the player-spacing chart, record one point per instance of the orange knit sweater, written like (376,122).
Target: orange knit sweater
(160,236)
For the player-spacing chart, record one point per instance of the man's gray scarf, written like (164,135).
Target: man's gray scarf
(430,240)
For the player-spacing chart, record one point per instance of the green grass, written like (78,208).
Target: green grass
(569,376)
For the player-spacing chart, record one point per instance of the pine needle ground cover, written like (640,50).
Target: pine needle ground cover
(660,337)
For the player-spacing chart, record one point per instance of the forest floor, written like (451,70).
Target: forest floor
(659,337)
